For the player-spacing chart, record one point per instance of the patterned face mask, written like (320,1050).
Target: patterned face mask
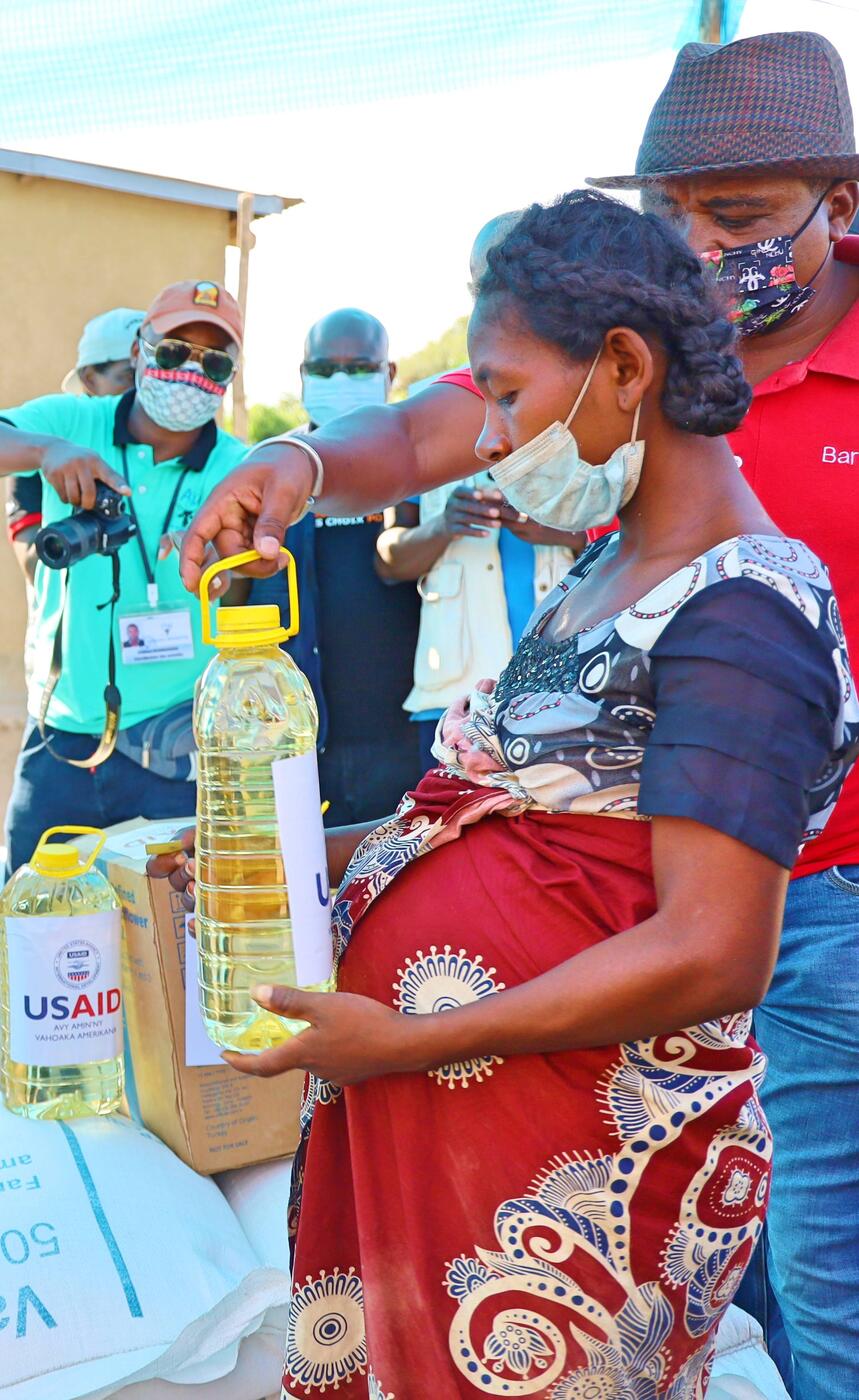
(177,399)
(764,278)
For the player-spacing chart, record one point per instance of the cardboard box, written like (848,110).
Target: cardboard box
(212,1117)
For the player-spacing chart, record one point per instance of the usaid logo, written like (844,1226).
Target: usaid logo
(77,964)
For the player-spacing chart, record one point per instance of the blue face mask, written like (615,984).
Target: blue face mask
(328,397)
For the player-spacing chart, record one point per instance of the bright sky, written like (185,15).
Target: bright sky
(394,192)
(396,188)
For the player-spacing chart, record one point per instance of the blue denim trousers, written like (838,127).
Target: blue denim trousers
(808,1025)
(46,792)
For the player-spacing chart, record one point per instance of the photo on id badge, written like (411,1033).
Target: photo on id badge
(156,636)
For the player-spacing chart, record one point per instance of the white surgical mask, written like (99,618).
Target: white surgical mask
(177,399)
(328,398)
(548,480)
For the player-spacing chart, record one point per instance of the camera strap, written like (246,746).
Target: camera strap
(112,697)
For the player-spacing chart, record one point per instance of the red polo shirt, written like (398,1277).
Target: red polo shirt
(798,448)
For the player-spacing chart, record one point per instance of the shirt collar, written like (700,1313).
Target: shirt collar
(198,453)
(838,354)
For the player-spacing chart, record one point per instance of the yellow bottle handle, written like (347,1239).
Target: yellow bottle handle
(235,561)
(73,831)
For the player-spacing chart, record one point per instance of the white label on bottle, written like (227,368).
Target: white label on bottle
(305,863)
(65,989)
(199,1049)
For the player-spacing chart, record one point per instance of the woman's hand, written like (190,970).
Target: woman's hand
(349,1038)
(250,509)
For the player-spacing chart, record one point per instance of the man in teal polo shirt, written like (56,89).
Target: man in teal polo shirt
(160,444)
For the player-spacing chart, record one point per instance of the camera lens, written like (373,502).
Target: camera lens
(53,548)
(86,532)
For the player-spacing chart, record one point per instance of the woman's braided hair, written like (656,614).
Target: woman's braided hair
(576,268)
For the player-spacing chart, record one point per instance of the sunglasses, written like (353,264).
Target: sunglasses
(217,365)
(356,369)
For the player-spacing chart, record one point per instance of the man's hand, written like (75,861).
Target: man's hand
(349,1037)
(472,512)
(73,473)
(250,509)
(179,868)
(532,532)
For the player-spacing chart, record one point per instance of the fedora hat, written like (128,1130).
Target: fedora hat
(774,101)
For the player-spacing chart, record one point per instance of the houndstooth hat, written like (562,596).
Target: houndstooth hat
(774,101)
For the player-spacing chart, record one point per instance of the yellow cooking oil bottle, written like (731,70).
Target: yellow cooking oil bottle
(61,1053)
(253,706)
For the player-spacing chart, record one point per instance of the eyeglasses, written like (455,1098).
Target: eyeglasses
(217,365)
(356,369)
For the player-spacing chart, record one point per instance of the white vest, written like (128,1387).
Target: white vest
(464,634)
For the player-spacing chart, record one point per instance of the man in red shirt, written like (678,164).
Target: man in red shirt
(750,150)
(752,147)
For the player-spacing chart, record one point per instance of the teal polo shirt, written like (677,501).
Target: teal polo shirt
(102,425)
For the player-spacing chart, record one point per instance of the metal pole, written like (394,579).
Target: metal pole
(245,239)
(711,20)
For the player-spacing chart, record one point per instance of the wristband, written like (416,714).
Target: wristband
(319,465)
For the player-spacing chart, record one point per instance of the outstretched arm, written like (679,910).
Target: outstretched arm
(373,457)
(72,471)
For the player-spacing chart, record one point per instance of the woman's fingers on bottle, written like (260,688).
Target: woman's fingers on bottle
(289,1055)
(223,521)
(286,1001)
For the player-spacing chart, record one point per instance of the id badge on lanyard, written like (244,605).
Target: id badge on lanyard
(158,634)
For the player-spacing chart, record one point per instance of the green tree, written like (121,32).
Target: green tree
(269,420)
(448,352)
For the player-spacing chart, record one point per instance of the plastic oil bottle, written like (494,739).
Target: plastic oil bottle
(253,706)
(61,1052)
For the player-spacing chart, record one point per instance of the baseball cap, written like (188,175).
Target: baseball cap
(107,337)
(185,302)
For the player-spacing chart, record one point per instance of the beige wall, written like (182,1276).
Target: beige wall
(68,252)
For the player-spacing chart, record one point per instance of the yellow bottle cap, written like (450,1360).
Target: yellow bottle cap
(63,858)
(252,626)
(59,859)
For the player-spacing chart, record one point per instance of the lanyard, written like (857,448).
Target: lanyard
(148,569)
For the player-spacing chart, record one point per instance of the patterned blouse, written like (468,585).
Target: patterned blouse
(723,695)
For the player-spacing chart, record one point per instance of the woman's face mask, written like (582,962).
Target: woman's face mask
(180,400)
(327,397)
(762,276)
(548,480)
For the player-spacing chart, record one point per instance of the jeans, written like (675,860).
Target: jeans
(364,781)
(46,792)
(808,1025)
(426,738)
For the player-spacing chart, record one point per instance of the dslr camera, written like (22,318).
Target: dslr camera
(102,530)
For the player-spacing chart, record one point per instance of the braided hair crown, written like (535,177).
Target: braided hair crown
(576,268)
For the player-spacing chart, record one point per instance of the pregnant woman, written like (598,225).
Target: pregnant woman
(535,1163)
